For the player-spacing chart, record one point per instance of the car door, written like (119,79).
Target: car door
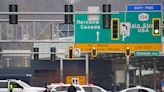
(4,87)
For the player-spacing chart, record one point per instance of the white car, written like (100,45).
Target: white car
(18,86)
(138,89)
(93,88)
(60,87)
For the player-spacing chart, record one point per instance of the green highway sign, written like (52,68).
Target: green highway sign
(140,28)
(146,53)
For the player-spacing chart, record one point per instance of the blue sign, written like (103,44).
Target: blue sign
(162,82)
(143,7)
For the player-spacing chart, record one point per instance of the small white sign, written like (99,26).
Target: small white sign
(93,9)
(60,50)
(75,81)
(77,52)
(143,17)
(125,28)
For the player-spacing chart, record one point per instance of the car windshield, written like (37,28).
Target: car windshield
(23,84)
(91,89)
(87,89)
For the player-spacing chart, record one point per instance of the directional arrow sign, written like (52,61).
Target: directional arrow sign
(77,52)
(125,28)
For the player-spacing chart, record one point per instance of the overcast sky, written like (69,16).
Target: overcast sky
(58,5)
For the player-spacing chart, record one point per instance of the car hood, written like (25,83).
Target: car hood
(40,88)
(34,89)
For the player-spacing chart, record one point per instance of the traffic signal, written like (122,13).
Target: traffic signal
(70,53)
(94,52)
(115,29)
(163,28)
(128,51)
(53,53)
(68,17)
(13,18)
(106,17)
(36,55)
(156,26)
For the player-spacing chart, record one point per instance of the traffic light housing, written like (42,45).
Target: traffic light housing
(115,29)
(13,18)
(128,51)
(36,55)
(94,52)
(53,53)
(68,17)
(106,17)
(70,53)
(163,29)
(156,26)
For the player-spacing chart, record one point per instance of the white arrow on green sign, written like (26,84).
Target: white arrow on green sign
(146,53)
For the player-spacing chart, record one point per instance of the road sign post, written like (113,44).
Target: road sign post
(127,54)
(61,70)
(87,68)
(127,71)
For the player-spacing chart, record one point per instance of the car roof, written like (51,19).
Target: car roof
(138,87)
(54,85)
(14,80)
(61,84)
